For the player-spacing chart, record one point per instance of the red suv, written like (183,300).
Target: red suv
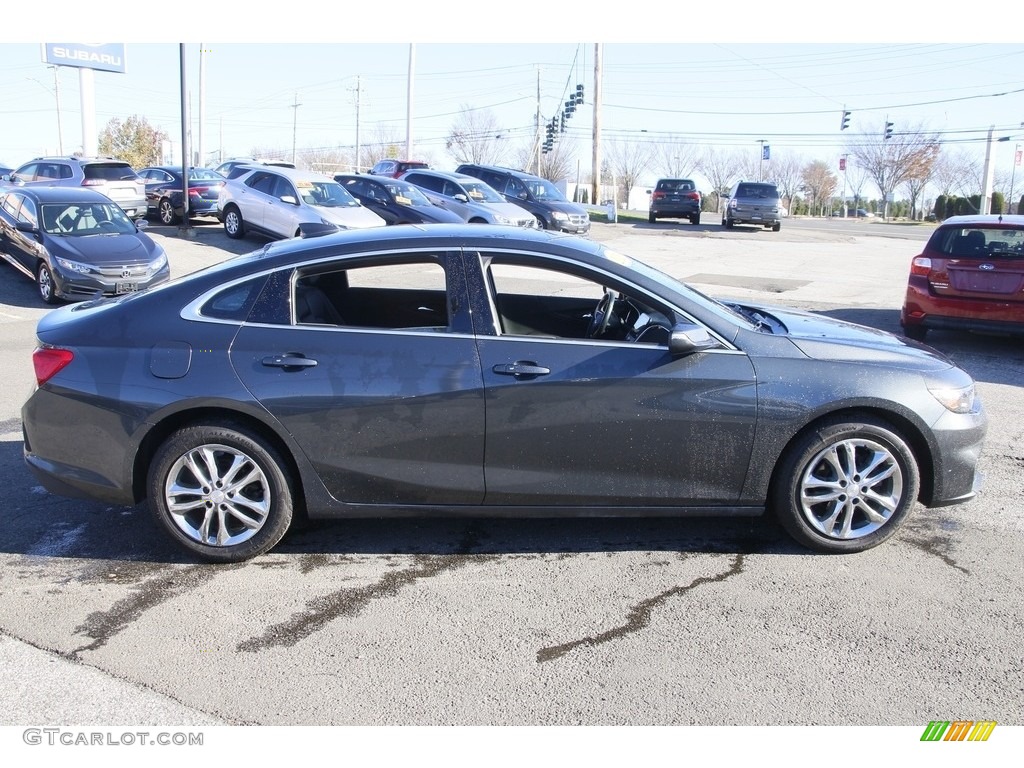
(970,277)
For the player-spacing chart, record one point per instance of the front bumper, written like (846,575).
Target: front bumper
(75,286)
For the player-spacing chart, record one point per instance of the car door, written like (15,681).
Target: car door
(280,216)
(575,421)
(255,196)
(22,249)
(376,376)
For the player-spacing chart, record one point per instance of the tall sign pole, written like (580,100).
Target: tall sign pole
(598,58)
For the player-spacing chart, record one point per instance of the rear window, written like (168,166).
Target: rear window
(757,190)
(108,171)
(978,242)
(676,185)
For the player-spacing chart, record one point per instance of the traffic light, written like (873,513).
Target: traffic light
(888,130)
(579,94)
(846,121)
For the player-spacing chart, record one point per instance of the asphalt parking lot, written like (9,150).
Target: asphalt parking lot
(577,622)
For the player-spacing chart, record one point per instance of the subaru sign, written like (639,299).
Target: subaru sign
(108,57)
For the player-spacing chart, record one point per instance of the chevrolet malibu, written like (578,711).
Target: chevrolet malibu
(476,369)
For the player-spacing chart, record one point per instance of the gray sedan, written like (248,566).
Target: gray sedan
(452,369)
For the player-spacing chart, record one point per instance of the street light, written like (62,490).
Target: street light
(56,92)
(1013,170)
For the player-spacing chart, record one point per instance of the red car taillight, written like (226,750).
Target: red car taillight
(657,195)
(693,195)
(92,182)
(47,361)
(921,265)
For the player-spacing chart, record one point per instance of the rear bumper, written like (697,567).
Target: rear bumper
(922,308)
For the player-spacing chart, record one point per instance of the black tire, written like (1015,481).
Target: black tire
(727,223)
(652,219)
(695,219)
(821,499)
(776,226)
(541,224)
(194,497)
(46,285)
(234,227)
(915,332)
(165,212)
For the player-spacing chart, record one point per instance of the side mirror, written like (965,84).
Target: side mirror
(25,226)
(523,195)
(141,224)
(290,199)
(461,198)
(688,338)
(648,191)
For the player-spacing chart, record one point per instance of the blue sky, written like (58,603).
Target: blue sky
(730,94)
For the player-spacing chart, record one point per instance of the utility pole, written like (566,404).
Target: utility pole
(185,228)
(760,169)
(536,130)
(201,154)
(408,103)
(842,166)
(986,190)
(598,74)
(295,123)
(56,93)
(359,85)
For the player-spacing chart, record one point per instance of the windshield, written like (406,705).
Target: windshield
(325,194)
(406,194)
(479,192)
(81,219)
(542,189)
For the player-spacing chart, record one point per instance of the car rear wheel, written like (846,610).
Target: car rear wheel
(695,219)
(46,285)
(776,226)
(541,224)
(845,486)
(166,212)
(651,218)
(221,492)
(234,227)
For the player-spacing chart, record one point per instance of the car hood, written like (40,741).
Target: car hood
(103,250)
(351,217)
(435,213)
(825,338)
(508,210)
(565,207)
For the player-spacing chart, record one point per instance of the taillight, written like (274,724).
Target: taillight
(92,182)
(693,195)
(657,195)
(921,265)
(48,361)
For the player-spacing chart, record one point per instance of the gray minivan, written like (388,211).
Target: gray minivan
(753,202)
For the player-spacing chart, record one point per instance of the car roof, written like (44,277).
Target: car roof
(446,174)
(73,159)
(61,194)
(994,219)
(295,174)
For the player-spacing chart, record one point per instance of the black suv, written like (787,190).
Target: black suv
(675,199)
(539,196)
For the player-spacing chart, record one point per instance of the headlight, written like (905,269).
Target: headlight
(955,399)
(559,216)
(501,219)
(158,263)
(74,266)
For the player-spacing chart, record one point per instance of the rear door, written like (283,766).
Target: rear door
(383,394)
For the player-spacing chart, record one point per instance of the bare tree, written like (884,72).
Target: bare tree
(919,178)
(856,179)
(720,168)
(559,164)
(957,173)
(675,160)
(325,160)
(476,137)
(890,162)
(787,172)
(628,161)
(820,184)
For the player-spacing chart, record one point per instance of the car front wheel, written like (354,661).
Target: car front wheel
(846,485)
(46,285)
(221,492)
(234,227)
